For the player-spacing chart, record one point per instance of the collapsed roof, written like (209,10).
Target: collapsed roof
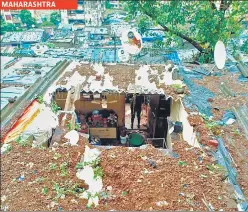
(99,78)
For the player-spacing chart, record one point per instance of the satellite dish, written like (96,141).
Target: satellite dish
(220,55)
(131,41)
(123,55)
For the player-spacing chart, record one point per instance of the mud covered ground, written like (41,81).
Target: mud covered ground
(233,135)
(135,179)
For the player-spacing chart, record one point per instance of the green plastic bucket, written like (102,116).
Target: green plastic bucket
(136,139)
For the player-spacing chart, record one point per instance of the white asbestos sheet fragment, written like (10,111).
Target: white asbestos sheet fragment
(48,95)
(142,78)
(73,137)
(74,80)
(98,68)
(87,174)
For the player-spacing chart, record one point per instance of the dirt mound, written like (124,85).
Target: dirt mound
(175,184)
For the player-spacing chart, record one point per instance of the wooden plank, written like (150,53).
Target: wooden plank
(103,132)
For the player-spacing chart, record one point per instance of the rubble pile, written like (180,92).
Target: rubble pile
(142,178)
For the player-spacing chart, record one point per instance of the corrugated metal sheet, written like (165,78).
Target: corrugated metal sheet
(243,69)
(242,115)
(10,92)
(226,90)
(131,89)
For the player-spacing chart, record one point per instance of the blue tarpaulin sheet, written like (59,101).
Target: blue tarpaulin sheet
(242,78)
(232,67)
(198,98)
(199,95)
(152,39)
(173,56)
(227,115)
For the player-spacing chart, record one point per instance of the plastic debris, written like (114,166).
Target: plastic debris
(5,148)
(228,118)
(152,163)
(3,198)
(200,159)
(21,178)
(53,204)
(91,154)
(109,188)
(30,165)
(174,155)
(162,203)
(144,146)
(5,208)
(213,143)
(74,201)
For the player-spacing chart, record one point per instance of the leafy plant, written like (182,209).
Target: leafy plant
(57,156)
(54,107)
(176,86)
(182,163)
(8,148)
(211,124)
(63,169)
(20,141)
(69,125)
(79,165)
(236,132)
(124,193)
(62,191)
(40,99)
(26,18)
(98,172)
(53,166)
(217,169)
(55,18)
(244,47)
(45,190)
(77,126)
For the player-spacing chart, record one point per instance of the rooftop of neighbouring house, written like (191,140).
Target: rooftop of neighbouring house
(34,35)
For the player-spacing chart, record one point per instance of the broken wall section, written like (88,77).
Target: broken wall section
(178,113)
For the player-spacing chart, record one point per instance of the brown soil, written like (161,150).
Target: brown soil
(197,122)
(67,120)
(232,135)
(63,79)
(127,74)
(35,165)
(182,187)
